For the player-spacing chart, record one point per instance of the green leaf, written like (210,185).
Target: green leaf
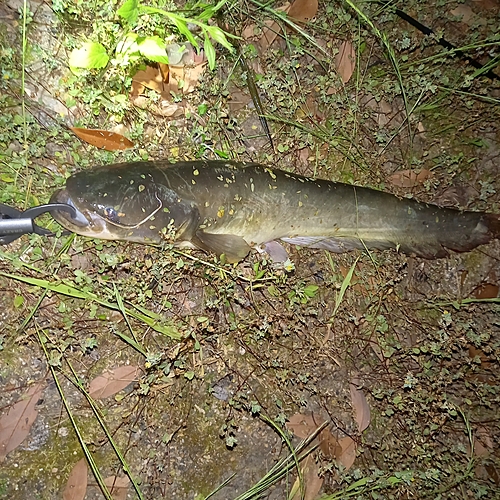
(206,14)
(153,48)
(128,46)
(184,30)
(344,286)
(311,290)
(219,36)
(209,52)
(129,11)
(18,301)
(90,56)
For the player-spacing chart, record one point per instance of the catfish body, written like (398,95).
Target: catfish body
(228,208)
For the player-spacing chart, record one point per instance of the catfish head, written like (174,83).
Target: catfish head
(113,203)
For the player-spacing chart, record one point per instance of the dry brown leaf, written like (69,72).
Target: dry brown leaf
(76,486)
(249,32)
(238,100)
(103,139)
(486,291)
(409,178)
(345,61)
(329,444)
(118,486)
(15,425)
(311,478)
(152,78)
(271,31)
(361,408)
(348,454)
(486,4)
(463,11)
(303,426)
(184,79)
(474,352)
(113,381)
(302,11)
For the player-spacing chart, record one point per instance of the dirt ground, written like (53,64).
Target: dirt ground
(203,363)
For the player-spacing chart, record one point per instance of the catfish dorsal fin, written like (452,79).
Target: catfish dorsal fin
(235,248)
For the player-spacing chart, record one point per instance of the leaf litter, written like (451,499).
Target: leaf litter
(410,178)
(112,381)
(118,486)
(345,61)
(76,485)
(342,450)
(178,78)
(16,424)
(360,406)
(103,139)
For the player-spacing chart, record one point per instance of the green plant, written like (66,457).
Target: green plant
(132,46)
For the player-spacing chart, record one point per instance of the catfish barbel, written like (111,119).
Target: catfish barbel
(227,208)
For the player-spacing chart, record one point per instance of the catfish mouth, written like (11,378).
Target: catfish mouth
(64,218)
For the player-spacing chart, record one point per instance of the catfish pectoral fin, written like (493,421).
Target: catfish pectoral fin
(235,248)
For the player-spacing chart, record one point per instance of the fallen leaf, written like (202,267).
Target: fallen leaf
(329,444)
(474,352)
(312,481)
(342,450)
(345,61)
(118,486)
(463,11)
(302,11)
(184,79)
(15,425)
(271,30)
(153,78)
(113,381)
(409,178)
(348,453)
(303,426)
(103,139)
(250,32)
(76,486)
(238,100)
(360,405)
(486,291)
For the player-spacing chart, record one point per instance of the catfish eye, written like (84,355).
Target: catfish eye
(111,214)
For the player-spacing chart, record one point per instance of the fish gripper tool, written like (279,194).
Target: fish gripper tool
(14,223)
